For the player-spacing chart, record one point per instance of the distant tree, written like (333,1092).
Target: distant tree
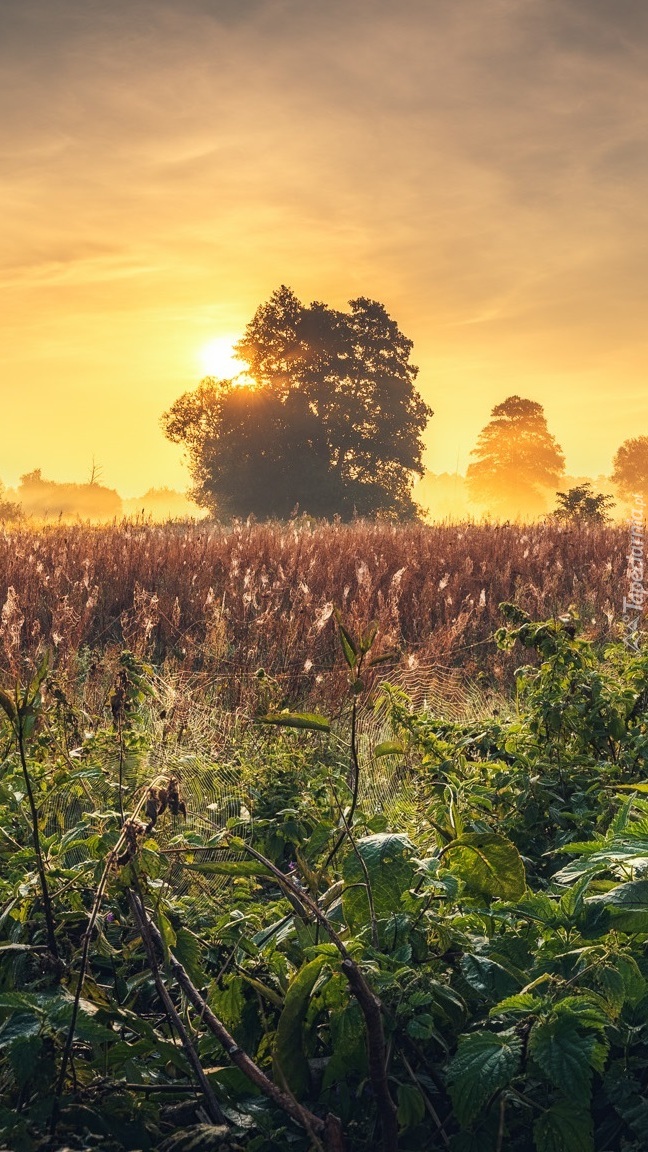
(582,505)
(327,416)
(630,467)
(50,500)
(517,461)
(9,509)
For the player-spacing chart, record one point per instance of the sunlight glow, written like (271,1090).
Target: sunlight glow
(217,358)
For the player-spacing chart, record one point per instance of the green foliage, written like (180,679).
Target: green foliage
(484,1063)
(500,924)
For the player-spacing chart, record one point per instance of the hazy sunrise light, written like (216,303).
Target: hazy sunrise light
(478,167)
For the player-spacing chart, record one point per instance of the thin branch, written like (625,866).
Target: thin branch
(139,912)
(239,1057)
(40,865)
(369,1004)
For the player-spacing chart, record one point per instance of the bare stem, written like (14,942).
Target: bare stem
(139,912)
(40,865)
(330,1127)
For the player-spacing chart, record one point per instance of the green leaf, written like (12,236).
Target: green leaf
(388,858)
(484,1063)
(611,984)
(166,932)
(349,646)
(411,1106)
(289,1063)
(633,982)
(487,863)
(228,1002)
(566,1056)
(19,1026)
(368,637)
(188,951)
(564,1128)
(488,977)
(308,720)
(388,748)
(23,1056)
(627,904)
(8,706)
(524,1004)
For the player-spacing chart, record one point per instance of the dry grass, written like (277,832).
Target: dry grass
(222,602)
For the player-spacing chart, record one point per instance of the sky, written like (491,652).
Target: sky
(478,166)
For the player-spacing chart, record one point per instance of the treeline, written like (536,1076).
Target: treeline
(47,500)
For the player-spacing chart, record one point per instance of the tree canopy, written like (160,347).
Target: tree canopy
(631,467)
(326,417)
(583,505)
(517,461)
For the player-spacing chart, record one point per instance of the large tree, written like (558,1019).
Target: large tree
(327,416)
(518,463)
(631,468)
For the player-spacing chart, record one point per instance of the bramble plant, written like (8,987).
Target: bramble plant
(469,975)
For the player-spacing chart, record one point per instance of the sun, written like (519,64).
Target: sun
(217,358)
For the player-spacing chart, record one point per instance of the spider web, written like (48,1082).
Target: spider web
(434,692)
(198,756)
(201,753)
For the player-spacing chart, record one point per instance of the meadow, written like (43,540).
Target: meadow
(198,597)
(256,897)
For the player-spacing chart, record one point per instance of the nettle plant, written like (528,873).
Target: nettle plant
(449,981)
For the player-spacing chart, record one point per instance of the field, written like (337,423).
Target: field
(254,896)
(199,598)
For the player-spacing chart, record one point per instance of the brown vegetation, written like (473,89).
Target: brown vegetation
(226,603)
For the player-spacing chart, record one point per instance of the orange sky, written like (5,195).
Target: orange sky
(479,166)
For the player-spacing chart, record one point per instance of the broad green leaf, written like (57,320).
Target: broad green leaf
(611,985)
(308,720)
(411,1106)
(627,1096)
(388,858)
(634,982)
(290,1066)
(23,1056)
(627,905)
(631,853)
(484,1063)
(187,949)
(524,1004)
(564,1128)
(388,748)
(228,1002)
(488,864)
(488,977)
(19,1026)
(566,1055)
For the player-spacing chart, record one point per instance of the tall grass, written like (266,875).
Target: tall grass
(200,598)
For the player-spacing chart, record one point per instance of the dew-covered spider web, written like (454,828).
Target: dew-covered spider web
(195,750)
(444,694)
(198,743)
